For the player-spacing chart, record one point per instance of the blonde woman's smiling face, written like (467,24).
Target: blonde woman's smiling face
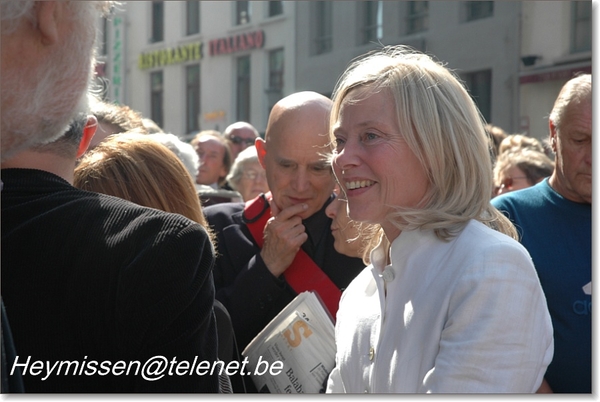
(373,162)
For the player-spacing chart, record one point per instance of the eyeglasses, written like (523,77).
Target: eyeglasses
(509,181)
(253,174)
(239,140)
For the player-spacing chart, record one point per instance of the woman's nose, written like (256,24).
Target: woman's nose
(330,211)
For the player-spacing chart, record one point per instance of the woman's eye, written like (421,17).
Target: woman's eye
(370,136)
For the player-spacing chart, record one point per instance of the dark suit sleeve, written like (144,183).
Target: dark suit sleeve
(165,304)
(251,294)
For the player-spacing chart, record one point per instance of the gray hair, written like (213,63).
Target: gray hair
(248,155)
(12,12)
(184,151)
(36,116)
(576,90)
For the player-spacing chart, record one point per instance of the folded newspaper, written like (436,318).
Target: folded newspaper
(302,338)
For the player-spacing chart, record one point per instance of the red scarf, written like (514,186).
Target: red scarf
(303,274)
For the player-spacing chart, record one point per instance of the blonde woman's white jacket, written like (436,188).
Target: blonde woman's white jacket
(465,316)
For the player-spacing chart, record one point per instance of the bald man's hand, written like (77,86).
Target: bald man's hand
(283,235)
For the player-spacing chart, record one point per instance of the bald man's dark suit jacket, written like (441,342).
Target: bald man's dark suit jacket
(251,294)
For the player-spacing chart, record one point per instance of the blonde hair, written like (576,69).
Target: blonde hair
(135,167)
(443,128)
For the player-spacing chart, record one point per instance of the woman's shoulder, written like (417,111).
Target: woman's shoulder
(487,246)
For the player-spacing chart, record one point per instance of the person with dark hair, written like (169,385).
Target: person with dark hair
(215,158)
(495,137)
(114,119)
(554,220)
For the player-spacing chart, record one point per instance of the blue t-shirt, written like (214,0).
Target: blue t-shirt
(558,234)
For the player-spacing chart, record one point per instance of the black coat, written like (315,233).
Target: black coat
(88,277)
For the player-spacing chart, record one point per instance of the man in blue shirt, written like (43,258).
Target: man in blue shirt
(554,220)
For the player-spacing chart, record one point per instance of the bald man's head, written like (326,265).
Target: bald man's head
(296,108)
(294,151)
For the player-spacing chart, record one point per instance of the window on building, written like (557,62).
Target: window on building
(475,10)
(192,101)
(158,21)
(480,87)
(243,89)
(192,16)
(276,69)
(275,8)
(322,15)
(156,97)
(372,21)
(104,44)
(242,12)
(581,38)
(418,16)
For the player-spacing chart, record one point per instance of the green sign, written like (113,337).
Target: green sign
(165,57)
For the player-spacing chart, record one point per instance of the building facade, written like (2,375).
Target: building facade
(556,44)
(195,65)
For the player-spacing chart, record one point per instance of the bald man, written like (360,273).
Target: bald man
(256,281)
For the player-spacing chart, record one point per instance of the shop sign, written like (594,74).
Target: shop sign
(117,61)
(165,57)
(237,43)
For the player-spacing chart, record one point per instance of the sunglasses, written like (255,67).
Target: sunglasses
(240,140)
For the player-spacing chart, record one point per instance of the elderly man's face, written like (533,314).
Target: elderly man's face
(211,153)
(572,144)
(296,170)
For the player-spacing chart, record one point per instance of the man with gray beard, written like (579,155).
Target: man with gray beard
(45,68)
(103,295)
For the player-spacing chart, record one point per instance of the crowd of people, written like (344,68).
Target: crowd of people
(453,257)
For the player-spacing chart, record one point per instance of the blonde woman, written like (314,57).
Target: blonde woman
(449,302)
